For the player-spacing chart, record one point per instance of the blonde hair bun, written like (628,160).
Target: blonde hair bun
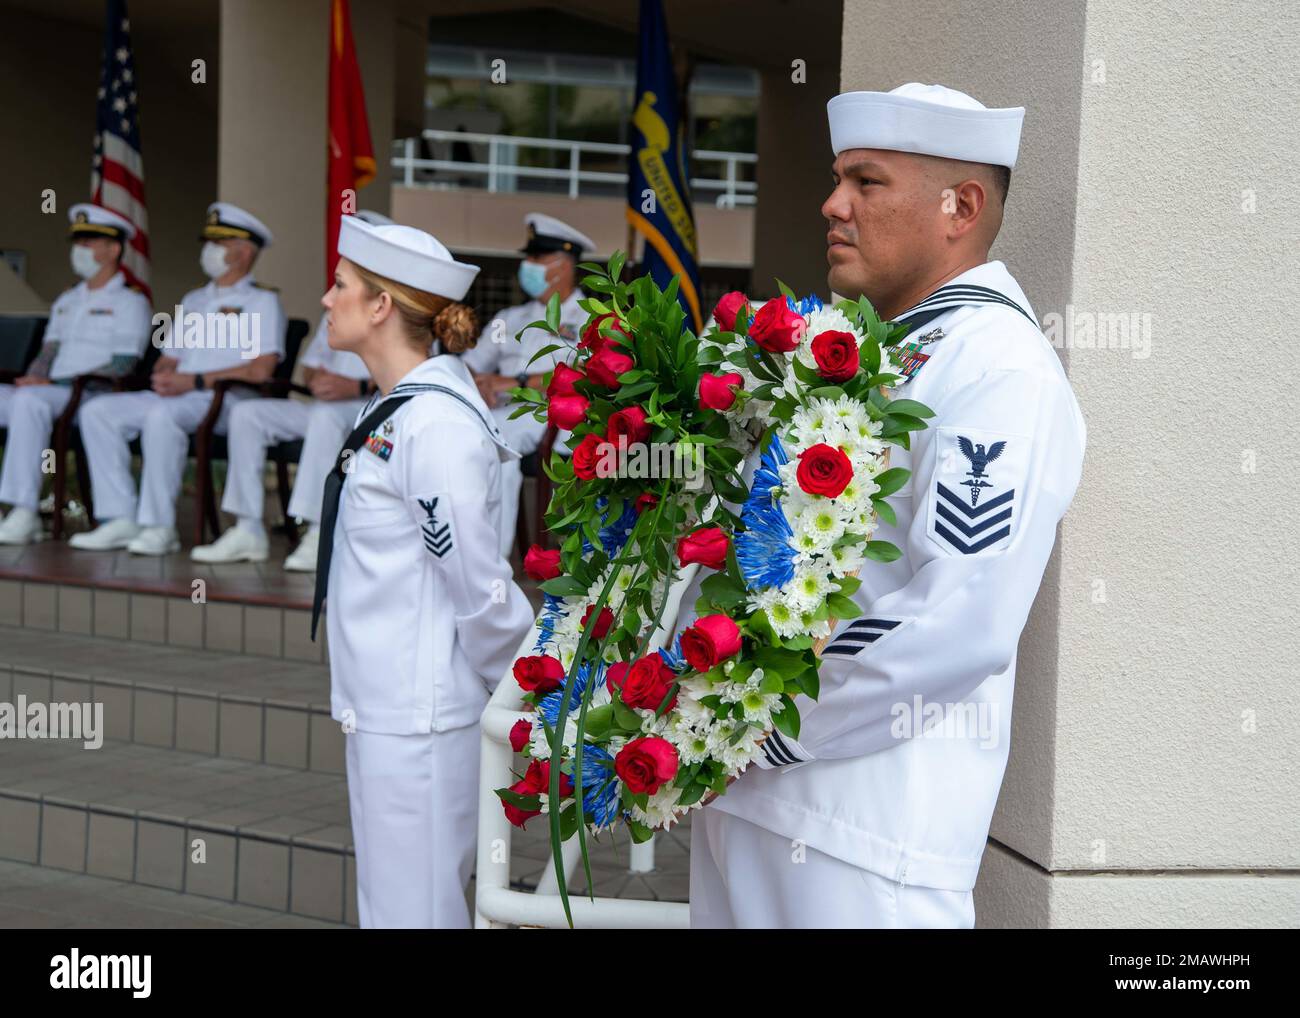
(456,327)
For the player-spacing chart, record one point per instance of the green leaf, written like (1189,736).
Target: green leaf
(842,607)
(910,407)
(882,551)
(885,511)
(564,586)
(891,480)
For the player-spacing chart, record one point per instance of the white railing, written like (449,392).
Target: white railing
(496,904)
(500,170)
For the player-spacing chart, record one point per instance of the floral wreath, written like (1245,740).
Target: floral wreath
(644,732)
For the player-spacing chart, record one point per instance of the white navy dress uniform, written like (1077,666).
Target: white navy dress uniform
(887,795)
(497,352)
(322,425)
(91,327)
(164,423)
(423,615)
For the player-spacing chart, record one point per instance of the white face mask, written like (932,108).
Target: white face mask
(83,261)
(212,259)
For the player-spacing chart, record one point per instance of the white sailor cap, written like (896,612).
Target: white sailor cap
(546,234)
(226,221)
(405,255)
(96,221)
(373,218)
(927,119)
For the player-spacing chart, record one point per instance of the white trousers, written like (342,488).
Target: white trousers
(164,425)
(746,877)
(257,424)
(28,411)
(414,805)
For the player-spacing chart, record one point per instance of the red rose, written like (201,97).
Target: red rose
(588,456)
(824,470)
(647,683)
(592,339)
(776,328)
(521,733)
(645,501)
(836,354)
(728,307)
(567,412)
(614,676)
(645,764)
(718,392)
(631,422)
(541,674)
(562,379)
(606,365)
(542,564)
(603,622)
(517,816)
(707,546)
(712,639)
(537,779)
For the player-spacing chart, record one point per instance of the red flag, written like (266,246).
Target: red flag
(351,157)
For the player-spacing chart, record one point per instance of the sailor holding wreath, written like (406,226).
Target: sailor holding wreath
(424,616)
(878,814)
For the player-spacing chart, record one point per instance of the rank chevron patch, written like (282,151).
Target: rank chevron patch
(981,526)
(437,537)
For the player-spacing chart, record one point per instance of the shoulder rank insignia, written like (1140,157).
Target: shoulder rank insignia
(437,537)
(984,515)
(379,445)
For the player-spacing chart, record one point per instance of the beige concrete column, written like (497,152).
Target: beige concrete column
(1153,776)
(273,136)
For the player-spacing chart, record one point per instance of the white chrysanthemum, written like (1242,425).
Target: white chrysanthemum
(821,522)
(661,808)
(785,620)
(736,756)
(810,585)
(847,559)
(690,740)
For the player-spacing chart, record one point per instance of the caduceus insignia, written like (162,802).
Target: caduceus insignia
(979,459)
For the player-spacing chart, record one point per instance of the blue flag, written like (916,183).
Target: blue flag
(658,181)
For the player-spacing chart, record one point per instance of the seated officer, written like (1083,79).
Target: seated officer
(499,363)
(101,325)
(340,382)
(230,328)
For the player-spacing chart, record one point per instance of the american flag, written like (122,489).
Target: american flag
(117,171)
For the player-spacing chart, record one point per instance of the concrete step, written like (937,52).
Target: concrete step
(238,707)
(273,627)
(33,897)
(248,833)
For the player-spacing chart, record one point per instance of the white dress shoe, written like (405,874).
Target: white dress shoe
(303,559)
(21,526)
(155,541)
(235,545)
(107,536)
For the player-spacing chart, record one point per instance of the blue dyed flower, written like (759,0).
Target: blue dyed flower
(806,306)
(549,706)
(599,786)
(763,549)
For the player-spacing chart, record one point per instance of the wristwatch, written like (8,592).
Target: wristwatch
(522,379)
(198,381)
